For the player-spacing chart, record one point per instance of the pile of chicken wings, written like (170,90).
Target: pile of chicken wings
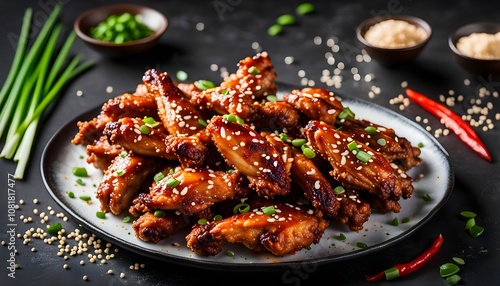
(234,163)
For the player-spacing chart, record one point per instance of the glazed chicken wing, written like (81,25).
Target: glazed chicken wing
(125,177)
(251,154)
(151,228)
(285,230)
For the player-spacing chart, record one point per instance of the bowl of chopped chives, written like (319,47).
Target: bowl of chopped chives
(121,29)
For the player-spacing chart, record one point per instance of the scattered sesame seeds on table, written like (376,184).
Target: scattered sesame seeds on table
(204,39)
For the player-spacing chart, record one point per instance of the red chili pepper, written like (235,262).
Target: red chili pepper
(412,266)
(452,121)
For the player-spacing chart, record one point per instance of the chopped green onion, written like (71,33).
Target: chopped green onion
(80,172)
(274,30)
(158,176)
(305,8)
(458,260)
(85,198)
(54,228)
(144,129)
(391,273)
(121,28)
(217,217)
(470,222)
(148,120)
(338,190)
(299,142)
(159,213)
(427,197)
(448,269)
(203,84)
(80,182)
(420,145)
(202,221)
(272,98)
(346,112)
(269,210)
(286,20)
(361,245)
(233,118)
(224,92)
(126,219)
(395,222)
(202,122)
(173,182)
(308,152)
(181,75)
(229,253)
(341,237)
(230,171)
(283,136)
(71,195)
(363,156)
(123,154)
(100,214)
(241,208)
(119,173)
(381,142)
(453,279)
(352,146)
(468,214)
(405,220)
(371,130)
(476,230)
(253,70)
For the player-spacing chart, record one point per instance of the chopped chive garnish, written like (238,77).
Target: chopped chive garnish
(119,173)
(202,221)
(253,70)
(217,217)
(405,220)
(391,273)
(346,112)
(229,253)
(470,222)
(144,129)
(272,98)
(420,145)
(100,214)
(71,195)
(230,171)
(123,154)
(308,152)
(224,92)
(148,120)
(181,75)
(363,156)
(361,245)
(381,142)
(338,190)
(274,30)
(395,222)
(171,171)
(286,20)
(341,237)
(468,214)
(54,228)
(203,84)
(283,136)
(80,172)
(448,269)
(126,219)
(80,182)
(85,198)
(304,8)
(427,197)
(159,213)
(458,260)
(158,177)
(453,279)
(241,208)
(269,210)
(173,182)
(371,130)
(476,230)
(352,145)
(202,122)
(299,142)
(233,118)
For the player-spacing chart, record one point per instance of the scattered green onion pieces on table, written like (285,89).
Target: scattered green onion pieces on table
(274,30)
(453,279)
(468,214)
(121,29)
(54,228)
(458,260)
(286,20)
(391,273)
(305,8)
(448,269)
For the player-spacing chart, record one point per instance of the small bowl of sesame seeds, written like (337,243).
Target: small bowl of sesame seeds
(476,47)
(394,39)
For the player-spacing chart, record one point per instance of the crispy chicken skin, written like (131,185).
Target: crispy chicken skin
(288,230)
(315,103)
(251,154)
(151,228)
(178,115)
(353,210)
(376,176)
(192,191)
(123,179)
(255,76)
(101,153)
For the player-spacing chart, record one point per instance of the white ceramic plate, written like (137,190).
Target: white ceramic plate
(60,156)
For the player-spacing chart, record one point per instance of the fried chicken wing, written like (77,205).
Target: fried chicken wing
(289,229)
(353,210)
(190,191)
(101,153)
(177,114)
(251,154)
(376,176)
(125,177)
(315,104)
(151,228)
(255,75)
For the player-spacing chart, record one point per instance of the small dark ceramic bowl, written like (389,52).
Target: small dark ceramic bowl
(155,20)
(393,56)
(474,65)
